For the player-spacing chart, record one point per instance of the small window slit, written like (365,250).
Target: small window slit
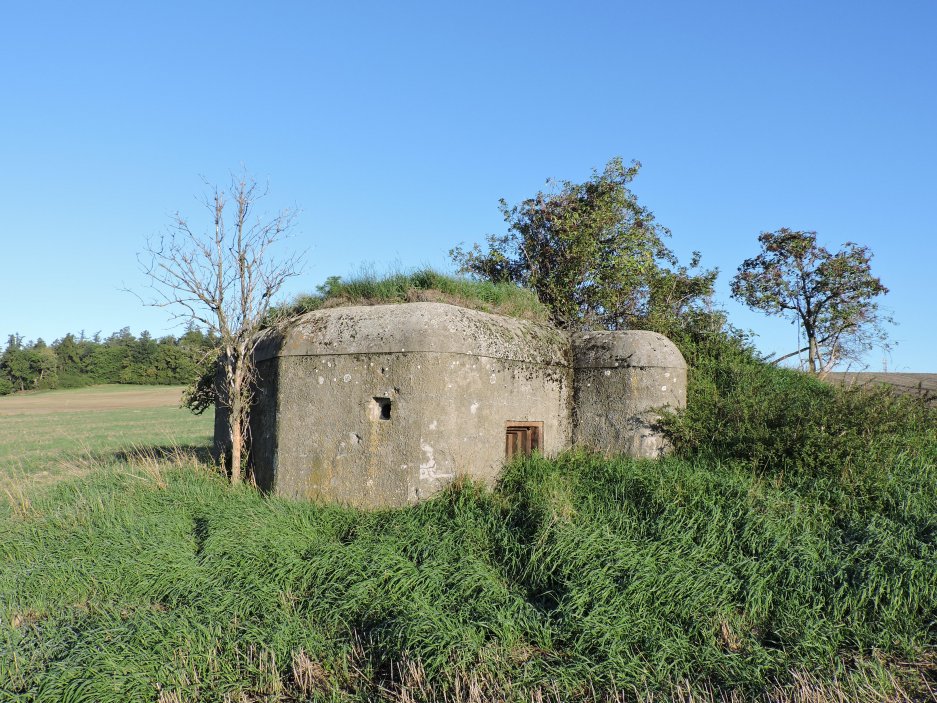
(380,408)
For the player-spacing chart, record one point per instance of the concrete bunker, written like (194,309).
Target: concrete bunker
(378,406)
(622,380)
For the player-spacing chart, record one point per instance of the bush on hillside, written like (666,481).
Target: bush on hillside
(781,421)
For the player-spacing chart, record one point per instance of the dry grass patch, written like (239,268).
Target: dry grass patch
(93,398)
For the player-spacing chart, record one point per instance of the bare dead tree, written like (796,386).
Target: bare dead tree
(224,278)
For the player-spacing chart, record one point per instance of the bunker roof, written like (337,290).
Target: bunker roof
(637,348)
(417,327)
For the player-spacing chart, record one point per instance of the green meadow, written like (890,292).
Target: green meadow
(786,552)
(47,435)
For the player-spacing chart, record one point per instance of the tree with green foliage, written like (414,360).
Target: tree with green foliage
(72,362)
(831,296)
(593,255)
(43,364)
(29,366)
(14,363)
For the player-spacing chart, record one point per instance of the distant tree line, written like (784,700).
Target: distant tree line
(76,360)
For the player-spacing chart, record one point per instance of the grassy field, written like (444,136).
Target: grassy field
(749,568)
(49,435)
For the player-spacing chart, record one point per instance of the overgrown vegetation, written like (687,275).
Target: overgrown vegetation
(593,255)
(786,553)
(780,422)
(75,361)
(421,286)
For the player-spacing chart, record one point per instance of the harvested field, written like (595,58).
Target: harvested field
(922,384)
(105,397)
(50,435)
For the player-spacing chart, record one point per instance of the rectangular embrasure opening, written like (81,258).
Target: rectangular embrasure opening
(380,408)
(522,439)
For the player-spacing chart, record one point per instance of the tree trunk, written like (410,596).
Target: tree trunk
(237,441)
(814,354)
(237,420)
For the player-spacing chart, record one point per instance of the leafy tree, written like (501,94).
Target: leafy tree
(832,296)
(68,351)
(108,361)
(144,360)
(75,355)
(593,255)
(30,365)
(122,338)
(14,363)
(43,365)
(72,361)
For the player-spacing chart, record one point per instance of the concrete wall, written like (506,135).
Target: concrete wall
(621,380)
(386,405)
(264,423)
(448,407)
(447,415)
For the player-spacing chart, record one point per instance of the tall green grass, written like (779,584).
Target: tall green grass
(580,578)
(787,552)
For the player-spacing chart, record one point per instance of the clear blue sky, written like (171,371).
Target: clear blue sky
(397,126)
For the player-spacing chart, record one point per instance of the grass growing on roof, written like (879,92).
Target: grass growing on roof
(424,285)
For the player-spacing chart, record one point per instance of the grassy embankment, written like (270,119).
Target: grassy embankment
(789,552)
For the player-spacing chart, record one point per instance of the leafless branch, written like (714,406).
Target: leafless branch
(225,278)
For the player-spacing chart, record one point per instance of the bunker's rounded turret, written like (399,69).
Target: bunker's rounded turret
(622,381)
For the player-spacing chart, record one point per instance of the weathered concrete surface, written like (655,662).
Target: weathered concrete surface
(452,379)
(264,423)
(418,327)
(622,380)
(379,406)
